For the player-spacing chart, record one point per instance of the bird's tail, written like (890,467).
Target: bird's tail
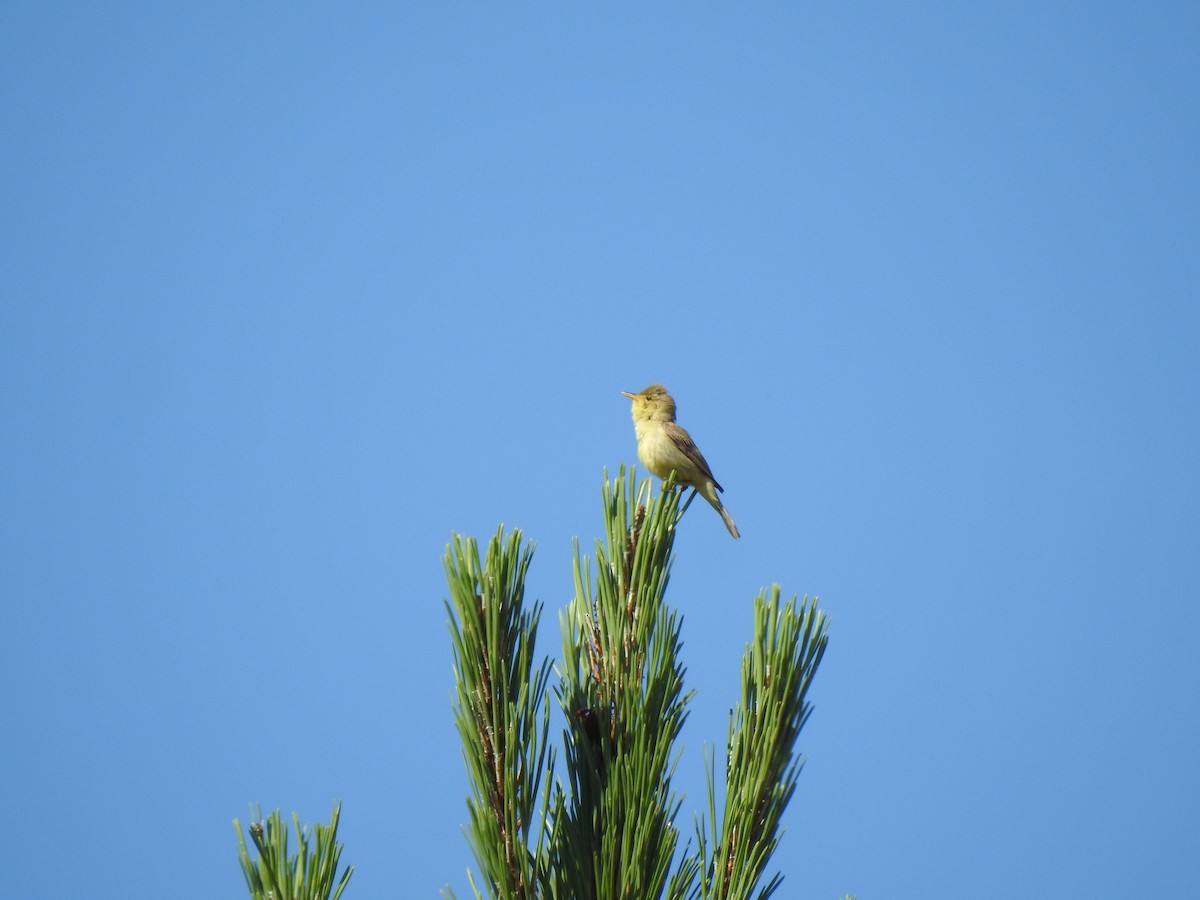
(710,494)
(729,523)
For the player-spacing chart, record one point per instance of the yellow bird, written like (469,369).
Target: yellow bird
(664,447)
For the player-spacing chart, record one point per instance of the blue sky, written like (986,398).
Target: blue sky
(289,294)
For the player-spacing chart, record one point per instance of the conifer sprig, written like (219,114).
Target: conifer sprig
(762,767)
(500,708)
(622,683)
(310,874)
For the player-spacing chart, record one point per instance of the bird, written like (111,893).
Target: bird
(664,447)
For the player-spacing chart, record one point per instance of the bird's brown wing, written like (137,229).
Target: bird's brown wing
(688,447)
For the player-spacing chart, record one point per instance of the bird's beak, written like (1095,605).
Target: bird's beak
(629,395)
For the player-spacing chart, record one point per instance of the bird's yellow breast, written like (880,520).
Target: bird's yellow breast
(659,454)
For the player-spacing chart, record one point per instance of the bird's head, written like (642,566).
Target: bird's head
(653,403)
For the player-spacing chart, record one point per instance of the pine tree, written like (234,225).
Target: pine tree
(606,828)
